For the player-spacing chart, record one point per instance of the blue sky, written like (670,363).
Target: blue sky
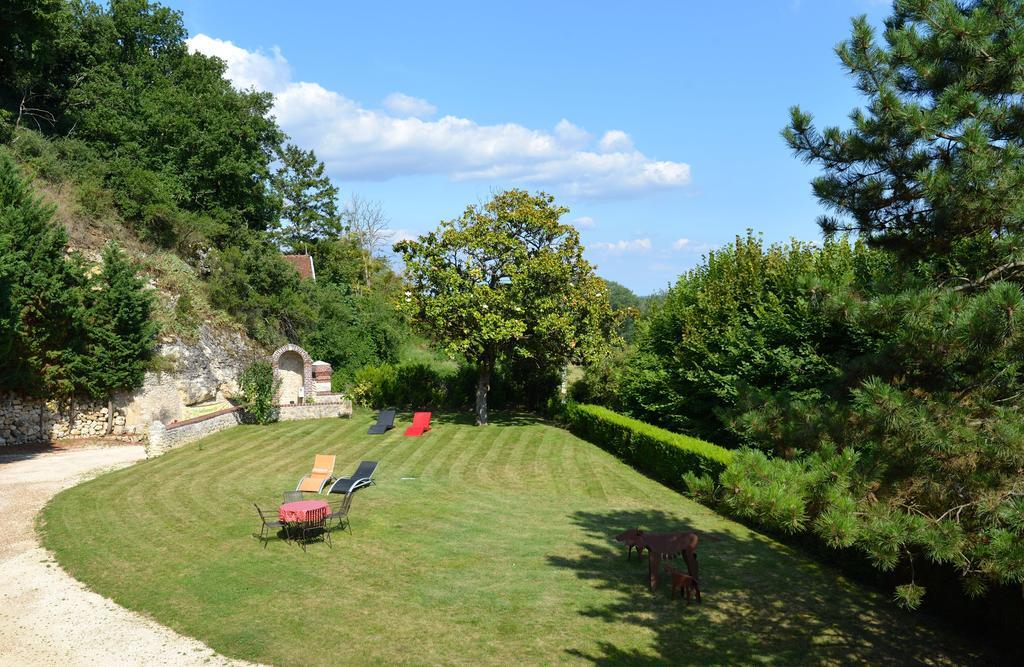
(657,124)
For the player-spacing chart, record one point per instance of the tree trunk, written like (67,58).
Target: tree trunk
(110,415)
(483,385)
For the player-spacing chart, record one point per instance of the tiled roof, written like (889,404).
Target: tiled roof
(303,264)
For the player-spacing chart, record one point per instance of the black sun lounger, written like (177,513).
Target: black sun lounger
(385,422)
(361,477)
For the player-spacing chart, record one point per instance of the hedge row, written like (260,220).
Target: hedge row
(419,386)
(663,455)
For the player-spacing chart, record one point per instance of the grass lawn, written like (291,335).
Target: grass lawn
(499,550)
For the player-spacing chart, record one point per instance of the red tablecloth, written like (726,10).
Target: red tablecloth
(296,511)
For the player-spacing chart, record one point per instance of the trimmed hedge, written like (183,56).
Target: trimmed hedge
(660,454)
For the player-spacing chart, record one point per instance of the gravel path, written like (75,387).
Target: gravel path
(49,618)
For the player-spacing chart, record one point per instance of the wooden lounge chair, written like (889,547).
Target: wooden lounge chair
(420,424)
(323,472)
(385,422)
(363,476)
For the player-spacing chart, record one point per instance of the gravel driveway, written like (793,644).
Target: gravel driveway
(48,618)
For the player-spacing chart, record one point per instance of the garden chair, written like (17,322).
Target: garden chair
(315,524)
(323,472)
(385,422)
(268,525)
(339,512)
(420,424)
(291,496)
(363,476)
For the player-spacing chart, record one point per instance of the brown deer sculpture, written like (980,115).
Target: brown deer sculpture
(683,583)
(633,539)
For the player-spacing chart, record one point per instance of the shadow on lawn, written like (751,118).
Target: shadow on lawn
(761,604)
(494,418)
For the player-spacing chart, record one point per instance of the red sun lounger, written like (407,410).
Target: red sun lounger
(420,424)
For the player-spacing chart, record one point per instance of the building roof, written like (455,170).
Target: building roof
(303,264)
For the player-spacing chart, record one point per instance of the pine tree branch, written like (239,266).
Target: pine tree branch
(999,271)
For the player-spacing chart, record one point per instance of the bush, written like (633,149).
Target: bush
(258,388)
(420,385)
(661,454)
(374,386)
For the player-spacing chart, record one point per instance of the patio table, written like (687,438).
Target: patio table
(295,512)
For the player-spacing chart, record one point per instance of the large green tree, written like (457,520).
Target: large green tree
(933,167)
(40,293)
(507,279)
(118,328)
(309,210)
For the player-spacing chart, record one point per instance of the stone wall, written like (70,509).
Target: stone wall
(30,421)
(165,437)
(341,408)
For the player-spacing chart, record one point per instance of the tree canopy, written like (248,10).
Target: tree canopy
(933,167)
(507,279)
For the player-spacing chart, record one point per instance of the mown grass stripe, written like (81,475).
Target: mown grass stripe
(501,549)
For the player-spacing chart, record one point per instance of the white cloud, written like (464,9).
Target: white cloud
(395,235)
(358,143)
(679,244)
(246,69)
(636,245)
(583,222)
(407,106)
(616,141)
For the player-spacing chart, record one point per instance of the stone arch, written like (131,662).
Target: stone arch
(293,369)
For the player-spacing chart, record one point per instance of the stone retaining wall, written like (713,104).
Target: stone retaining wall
(163,438)
(30,421)
(340,408)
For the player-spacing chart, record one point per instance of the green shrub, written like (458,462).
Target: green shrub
(420,385)
(258,388)
(661,454)
(374,386)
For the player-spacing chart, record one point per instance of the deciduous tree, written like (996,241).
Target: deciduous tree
(507,279)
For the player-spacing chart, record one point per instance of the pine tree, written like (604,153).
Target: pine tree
(119,330)
(40,293)
(934,166)
(310,210)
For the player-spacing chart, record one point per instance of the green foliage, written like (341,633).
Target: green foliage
(933,167)
(309,211)
(507,280)
(667,457)
(119,329)
(41,308)
(61,332)
(258,390)
(621,298)
(253,283)
(758,317)
(416,385)
(353,329)
(602,381)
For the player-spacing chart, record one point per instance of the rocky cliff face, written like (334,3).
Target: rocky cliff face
(203,369)
(200,370)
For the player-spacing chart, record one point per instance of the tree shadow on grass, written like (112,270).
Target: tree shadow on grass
(762,603)
(494,418)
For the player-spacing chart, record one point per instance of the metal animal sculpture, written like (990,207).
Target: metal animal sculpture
(683,583)
(634,539)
